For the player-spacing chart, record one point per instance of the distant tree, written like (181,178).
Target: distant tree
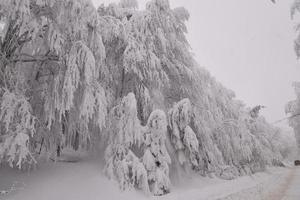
(254,112)
(293,109)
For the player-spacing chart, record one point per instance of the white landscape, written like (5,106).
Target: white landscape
(85,181)
(112,100)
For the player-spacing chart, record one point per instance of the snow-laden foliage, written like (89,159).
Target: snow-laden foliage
(129,4)
(231,142)
(156,157)
(293,109)
(73,75)
(18,125)
(126,168)
(295,10)
(124,132)
(56,47)
(126,135)
(125,127)
(182,135)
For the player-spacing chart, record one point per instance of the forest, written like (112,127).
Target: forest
(123,82)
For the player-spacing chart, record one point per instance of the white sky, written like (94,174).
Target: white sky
(247,45)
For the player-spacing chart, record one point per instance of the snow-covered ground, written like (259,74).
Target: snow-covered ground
(84,180)
(256,187)
(292,191)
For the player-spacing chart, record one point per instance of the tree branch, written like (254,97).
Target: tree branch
(36,59)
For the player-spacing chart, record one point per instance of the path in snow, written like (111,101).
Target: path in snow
(293,191)
(281,186)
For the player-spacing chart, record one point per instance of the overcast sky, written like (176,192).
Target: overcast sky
(247,45)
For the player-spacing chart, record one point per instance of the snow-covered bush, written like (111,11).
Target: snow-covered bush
(124,132)
(182,136)
(123,166)
(156,157)
(150,172)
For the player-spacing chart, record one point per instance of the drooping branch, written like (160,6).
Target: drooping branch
(35,59)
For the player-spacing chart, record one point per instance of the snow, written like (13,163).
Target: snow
(183,136)
(82,181)
(85,181)
(15,111)
(292,192)
(109,72)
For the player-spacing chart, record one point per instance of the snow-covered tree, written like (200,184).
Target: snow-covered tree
(48,45)
(125,132)
(182,135)
(17,129)
(293,109)
(154,61)
(126,136)
(156,158)
(71,75)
